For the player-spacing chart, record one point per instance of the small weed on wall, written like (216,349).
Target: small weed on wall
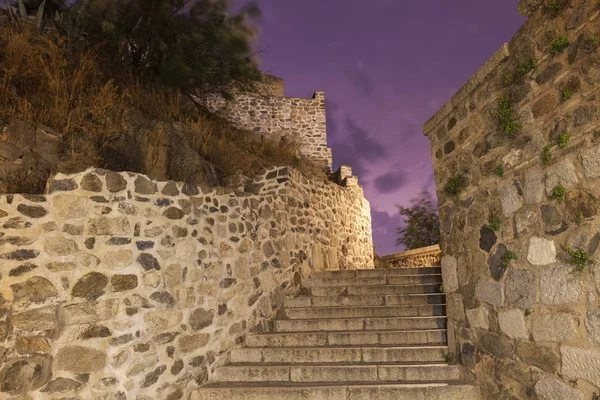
(506,118)
(559,45)
(558,193)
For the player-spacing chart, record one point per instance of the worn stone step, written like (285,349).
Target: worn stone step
(334,373)
(425,391)
(333,355)
(432,336)
(376,289)
(363,273)
(365,300)
(373,280)
(359,324)
(360,312)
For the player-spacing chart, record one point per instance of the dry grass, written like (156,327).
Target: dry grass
(41,83)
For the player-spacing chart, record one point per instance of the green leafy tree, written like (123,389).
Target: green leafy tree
(197,47)
(421,226)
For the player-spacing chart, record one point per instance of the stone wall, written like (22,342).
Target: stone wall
(298,120)
(516,154)
(416,258)
(117,286)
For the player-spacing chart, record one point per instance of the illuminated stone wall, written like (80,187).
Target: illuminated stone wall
(516,155)
(116,286)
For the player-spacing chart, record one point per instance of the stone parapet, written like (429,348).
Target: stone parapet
(416,258)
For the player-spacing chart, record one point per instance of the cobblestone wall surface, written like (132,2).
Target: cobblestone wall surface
(299,120)
(516,155)
(118,286)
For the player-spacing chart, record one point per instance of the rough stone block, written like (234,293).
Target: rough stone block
(489,292)
(479,318)
(551,388)
(553,327)
(512,323)
(563,173)
(541,251)
(543,357)
(449,274)
(592,325)
(559,286)
(534,186)
(520,288)
(579,363)
(590,160)
(80,359)
(510,201)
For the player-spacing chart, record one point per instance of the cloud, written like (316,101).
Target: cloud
(344,154)
(390,182)
(365,146)
(384,231)
(359,78)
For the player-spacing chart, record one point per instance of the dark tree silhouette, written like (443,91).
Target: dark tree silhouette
(421,226)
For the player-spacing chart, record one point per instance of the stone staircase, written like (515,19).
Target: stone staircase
(359,335)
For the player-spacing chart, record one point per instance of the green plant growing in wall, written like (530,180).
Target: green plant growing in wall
(507,77)
(546,156)
(563,139)
(527,312)
(559,45)
(441,289)
(499,170)
(496,224)
(505,117)
(591,43)
(527,66)
(508,257)
(448,357)
(566,95)
(455,185)
(558,193)
(578,258)
(553,7)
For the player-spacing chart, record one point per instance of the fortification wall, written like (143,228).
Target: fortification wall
(298,120)
(529,325)
(118,286)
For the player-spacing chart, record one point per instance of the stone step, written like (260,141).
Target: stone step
(359,324)
(366,300)
(376,289)
(334,373)
(373,280)
(357,338)
(365,273)
(425,391)
(333,355)
(365,312)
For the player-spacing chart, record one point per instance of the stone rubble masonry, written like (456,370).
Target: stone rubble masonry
(529,323)
(297,120)
(116,285)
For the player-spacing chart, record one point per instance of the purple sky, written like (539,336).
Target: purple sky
(385,66)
